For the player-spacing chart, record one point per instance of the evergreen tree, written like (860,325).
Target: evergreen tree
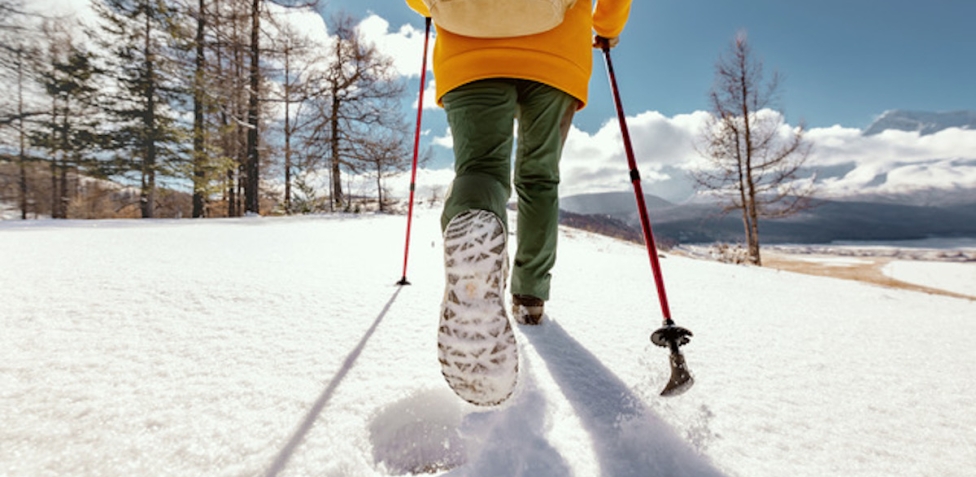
(146,133)
(19,64)
(70,131)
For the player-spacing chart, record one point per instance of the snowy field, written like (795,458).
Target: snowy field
(262,347)
(955,277)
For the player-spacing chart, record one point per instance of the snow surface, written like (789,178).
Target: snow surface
(836,261)
(950,276)
(250,347)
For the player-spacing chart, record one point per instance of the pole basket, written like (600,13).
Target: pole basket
(674,337)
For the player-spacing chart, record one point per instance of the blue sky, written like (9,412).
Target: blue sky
(844,62)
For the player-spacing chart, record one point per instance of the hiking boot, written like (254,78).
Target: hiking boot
(527,310)
(476,344)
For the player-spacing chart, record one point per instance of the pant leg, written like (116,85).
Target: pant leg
(481,115)
(545,115)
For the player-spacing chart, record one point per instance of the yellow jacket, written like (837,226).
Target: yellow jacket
(561,57)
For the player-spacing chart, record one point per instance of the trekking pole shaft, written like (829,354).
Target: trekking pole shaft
(416,151)
(638,190)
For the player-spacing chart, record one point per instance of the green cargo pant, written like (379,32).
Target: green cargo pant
(481,115)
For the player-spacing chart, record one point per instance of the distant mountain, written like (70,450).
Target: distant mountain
(601,224)
(923,122)
(609,203)
(828,222)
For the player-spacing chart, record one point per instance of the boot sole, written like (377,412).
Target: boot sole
(475,341)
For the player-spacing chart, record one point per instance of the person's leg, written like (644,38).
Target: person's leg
(481,115)
(476,345)
(545,115)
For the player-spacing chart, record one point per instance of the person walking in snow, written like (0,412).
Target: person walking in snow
(484,84)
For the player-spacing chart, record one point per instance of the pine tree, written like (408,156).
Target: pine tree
(69,132)
(19,65)
(138,35)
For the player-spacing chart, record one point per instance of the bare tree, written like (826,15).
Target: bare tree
(299,58)
(19,65)
(752,156)
(386,153)
(251,157)
(228,86)
(361,95)
(11,14)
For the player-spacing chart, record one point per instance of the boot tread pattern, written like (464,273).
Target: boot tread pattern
(476,343)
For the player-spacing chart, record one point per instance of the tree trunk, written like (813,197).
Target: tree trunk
(63,168)
(149,122)
(379,185)
(287,130)
(63,203)
(749,206)
(231,196)
(337,198)
(54,189)
(199,154)
(253,167)
(754,254)
(22,157)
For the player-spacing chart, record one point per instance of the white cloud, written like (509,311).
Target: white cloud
(79,10)
(405,46)
(446,141)
(597,162)
(430,183)
(430,96)
(895,161)
(304,21)
(890,162)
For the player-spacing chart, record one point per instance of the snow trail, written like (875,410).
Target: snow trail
(261,346)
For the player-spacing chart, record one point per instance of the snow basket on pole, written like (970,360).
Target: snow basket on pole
(669,335)
(416,152)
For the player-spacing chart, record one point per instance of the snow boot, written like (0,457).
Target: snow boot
(475,341)
(528,310)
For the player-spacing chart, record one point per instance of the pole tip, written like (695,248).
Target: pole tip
(681,379)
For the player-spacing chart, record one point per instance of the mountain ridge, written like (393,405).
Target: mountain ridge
(829,221)
(924,122)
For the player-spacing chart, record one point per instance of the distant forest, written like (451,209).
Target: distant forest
(202,108)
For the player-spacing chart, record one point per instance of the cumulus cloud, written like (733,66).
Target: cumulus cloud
(430,96)
(846,162)
(662,146)
(430,183)
(895,162)
(405,45)
(886,163)
(446,141)
(304,21)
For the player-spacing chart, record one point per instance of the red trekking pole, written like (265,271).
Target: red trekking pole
(668,336)
(416,153)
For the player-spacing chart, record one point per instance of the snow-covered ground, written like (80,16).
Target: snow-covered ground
(258,347)
(954,277)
